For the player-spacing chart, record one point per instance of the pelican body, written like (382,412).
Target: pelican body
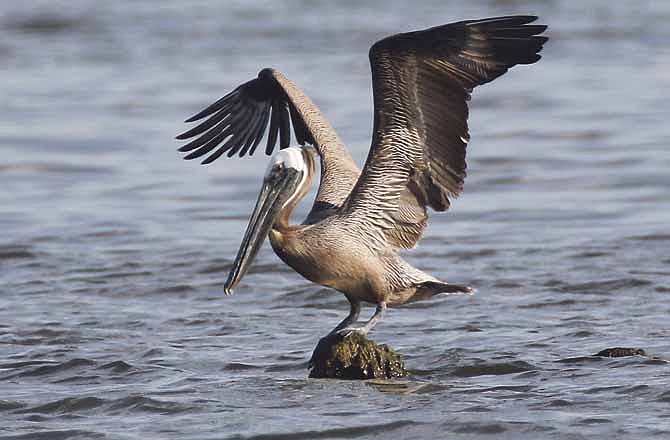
(360,220)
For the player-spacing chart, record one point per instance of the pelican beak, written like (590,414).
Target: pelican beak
(278,187)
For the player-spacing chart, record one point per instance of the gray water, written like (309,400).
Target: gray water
(113,251)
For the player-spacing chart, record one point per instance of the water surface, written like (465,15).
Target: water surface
(113,250)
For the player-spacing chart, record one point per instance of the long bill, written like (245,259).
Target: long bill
(272,198)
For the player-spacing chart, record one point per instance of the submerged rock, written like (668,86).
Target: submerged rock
(616,352)
(354,357)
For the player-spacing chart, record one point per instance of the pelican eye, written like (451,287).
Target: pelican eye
(275,172)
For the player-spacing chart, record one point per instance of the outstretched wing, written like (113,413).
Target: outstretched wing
(236,124)
(421,83)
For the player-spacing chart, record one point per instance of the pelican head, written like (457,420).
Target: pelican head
(289,172)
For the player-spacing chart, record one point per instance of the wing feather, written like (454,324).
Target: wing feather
(421,84)
(238,120)
(267,106)
(284,131)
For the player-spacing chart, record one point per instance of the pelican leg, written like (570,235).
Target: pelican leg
(378,316)
(354,311)
(352,317)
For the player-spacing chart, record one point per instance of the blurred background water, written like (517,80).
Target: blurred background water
(113,250)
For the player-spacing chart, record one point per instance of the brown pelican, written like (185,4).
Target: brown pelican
(360,220)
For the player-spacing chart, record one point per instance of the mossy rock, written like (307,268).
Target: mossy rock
(354,357)
(620,352)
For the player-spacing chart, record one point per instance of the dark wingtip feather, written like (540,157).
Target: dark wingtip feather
(261,130)
(507,19)
(540,27)
(273,130)
(195,154)
(183,136)
(215,106)
(284,128)
(197,116)
(198,142)
(209,159)
(215,119)
(212,157)
(185,148)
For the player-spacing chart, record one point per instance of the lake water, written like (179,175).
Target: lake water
(113,250)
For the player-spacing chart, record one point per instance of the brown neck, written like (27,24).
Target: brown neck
(282,222)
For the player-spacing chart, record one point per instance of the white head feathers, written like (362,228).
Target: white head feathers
(290,157)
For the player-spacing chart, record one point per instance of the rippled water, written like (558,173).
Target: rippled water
(113,250)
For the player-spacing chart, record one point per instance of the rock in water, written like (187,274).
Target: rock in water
(354,357)
(616,352)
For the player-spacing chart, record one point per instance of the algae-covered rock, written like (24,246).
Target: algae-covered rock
(616,352)
(354,357)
